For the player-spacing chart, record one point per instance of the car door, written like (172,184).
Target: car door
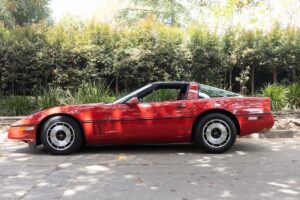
(172,123)
(169,121)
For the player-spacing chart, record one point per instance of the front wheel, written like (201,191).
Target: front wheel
(215,133)
(61,135)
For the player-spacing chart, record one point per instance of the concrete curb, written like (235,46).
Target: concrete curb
(297,112)
(12,118)
(9,120)
(276,134)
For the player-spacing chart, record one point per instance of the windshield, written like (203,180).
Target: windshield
(206,91)
(132,94)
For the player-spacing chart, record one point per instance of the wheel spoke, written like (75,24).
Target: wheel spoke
(60,135)
(216,133)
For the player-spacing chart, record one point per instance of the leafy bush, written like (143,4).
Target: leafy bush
(94,93)
(2,105)
(208,64)
(293,95)
(151,52)
(162,95)
(17,105)
(85,93)
(70,52)
(49,97)
(100,92)
(277,94)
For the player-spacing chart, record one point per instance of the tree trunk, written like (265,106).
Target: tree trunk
(13,87)
(274,74)
(125,85)
(117,85)
(225,79)
(252,80)
(294,75)
(241,88)
(241,82)
(230,80)
(1,84)
(172,13)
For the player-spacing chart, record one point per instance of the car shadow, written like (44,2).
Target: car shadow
(147,149)
(119,149)
(143,149)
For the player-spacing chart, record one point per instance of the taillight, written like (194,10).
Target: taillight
(267,105)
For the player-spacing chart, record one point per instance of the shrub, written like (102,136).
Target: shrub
(162,95)
(86,93)
(2,105)
(17,105)
(49,97)
(293,95)
(277,94)
(94,93)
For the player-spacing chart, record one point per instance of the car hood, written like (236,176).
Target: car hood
(81,112)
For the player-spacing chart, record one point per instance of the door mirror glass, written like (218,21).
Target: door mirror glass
(133,101)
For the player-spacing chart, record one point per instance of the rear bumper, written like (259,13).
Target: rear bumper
(255,123)
(25,133)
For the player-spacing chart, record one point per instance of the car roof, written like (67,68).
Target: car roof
(170,83)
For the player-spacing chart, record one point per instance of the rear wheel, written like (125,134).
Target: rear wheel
(61,135)
(215,133)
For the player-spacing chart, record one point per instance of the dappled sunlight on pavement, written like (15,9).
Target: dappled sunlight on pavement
(252,169)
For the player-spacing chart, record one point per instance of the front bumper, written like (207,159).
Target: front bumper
(25,133)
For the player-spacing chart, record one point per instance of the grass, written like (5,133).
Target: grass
(277,94)
(93,93)
(51,97)
(281,97)
(85,93)
(17,105)
(162,95)
(293,96)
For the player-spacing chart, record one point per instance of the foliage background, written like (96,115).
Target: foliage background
(147,45)
(70,52)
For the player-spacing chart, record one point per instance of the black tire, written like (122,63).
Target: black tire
(215,133)
(60,130)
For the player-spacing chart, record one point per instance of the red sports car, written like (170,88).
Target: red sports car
(160,112)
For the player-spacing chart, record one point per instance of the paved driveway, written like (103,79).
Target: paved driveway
(252,169)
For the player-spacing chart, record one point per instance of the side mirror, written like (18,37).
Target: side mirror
(133,101)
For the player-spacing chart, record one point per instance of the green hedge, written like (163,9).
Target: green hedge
(51,97)
(68,53)
(283,97)
(293,96)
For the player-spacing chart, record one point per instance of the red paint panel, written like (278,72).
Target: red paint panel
(20,133)
(165,121)
(263,122)
(193,91)
(89,133)
(97,129)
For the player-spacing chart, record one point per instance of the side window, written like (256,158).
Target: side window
(162,95)
(206,91)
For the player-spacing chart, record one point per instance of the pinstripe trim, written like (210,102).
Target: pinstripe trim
(248,114)
(133,119)
(24,125)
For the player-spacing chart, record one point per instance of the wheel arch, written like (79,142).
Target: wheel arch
(40,125)
(225,112)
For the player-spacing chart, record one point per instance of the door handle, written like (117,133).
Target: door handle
(181,106)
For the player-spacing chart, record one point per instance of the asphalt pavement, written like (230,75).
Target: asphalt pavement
(252,169)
